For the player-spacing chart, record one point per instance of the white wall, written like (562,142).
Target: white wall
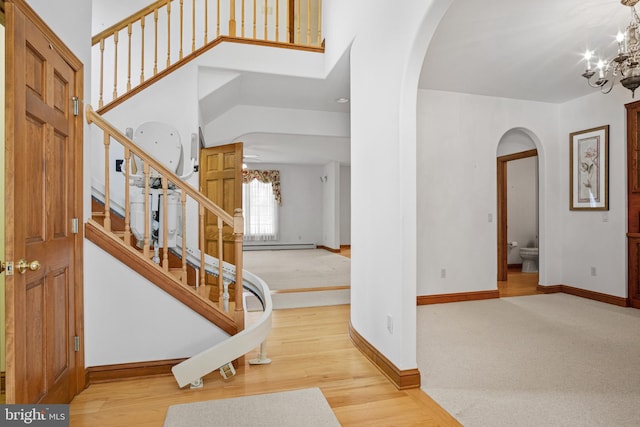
(338,28)
(515,141)
(385,66)
(243,119)
(345,205)
(458,135)
(331,205)
(105,14)
(593,238)
(129,319)
(300,216)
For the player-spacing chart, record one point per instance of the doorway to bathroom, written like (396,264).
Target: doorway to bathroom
(517,175)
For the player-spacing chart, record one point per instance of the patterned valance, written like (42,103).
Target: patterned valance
(268,176)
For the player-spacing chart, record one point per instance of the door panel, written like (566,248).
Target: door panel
(43,166)
(221,182)
(633,203)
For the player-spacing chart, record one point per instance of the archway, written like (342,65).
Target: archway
(517,210)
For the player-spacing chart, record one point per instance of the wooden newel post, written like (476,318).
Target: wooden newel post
(232,18)
(238,231)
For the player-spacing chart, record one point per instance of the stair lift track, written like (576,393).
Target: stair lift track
(218,356)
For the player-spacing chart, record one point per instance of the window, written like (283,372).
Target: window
(260,205)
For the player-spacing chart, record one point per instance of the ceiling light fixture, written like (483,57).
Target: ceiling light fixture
(626,64)
(342,100)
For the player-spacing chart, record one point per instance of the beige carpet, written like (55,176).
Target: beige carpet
(543,360)
(297,408)
(298,268)
(286,270)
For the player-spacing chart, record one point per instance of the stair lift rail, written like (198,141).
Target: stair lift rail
(220,355)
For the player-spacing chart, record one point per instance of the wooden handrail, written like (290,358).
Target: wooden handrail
(150,170)
(193,21)
(128,20)
(243,339)
(93,117)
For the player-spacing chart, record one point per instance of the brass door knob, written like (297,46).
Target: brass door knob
(23,265)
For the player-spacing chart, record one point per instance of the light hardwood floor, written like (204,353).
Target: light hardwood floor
(309,348)
(518,284)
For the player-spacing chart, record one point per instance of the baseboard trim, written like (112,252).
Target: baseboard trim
(584,293)
(551,289)
(403,380)
(457,297)
(327,248)
(126,371)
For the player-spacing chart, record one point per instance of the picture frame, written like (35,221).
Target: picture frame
(589,169)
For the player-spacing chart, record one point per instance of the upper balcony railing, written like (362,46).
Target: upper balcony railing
(138,49)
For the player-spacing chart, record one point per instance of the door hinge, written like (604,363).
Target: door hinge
(76,107)
(76,343)
(74,225)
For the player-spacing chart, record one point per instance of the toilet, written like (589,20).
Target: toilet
(529,260)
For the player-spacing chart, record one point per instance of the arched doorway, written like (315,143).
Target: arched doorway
(518,207)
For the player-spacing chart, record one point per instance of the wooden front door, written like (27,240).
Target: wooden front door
(43,194)
(221,182)
(633,203)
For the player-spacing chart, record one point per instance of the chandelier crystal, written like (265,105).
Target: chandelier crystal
(625,65)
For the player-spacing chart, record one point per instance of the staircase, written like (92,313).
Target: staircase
(150,45)
(110,229)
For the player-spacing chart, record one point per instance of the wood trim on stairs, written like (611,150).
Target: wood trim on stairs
(457,297)
(117,225)
(584,293)
(125,371)
(194,55)
(335,251)
(135,260)
(402,379)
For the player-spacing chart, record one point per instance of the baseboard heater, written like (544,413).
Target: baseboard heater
(275,247)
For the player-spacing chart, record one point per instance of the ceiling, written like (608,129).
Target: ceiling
(522,49)
(300,93)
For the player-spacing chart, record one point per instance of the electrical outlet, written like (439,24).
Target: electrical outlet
(390,323)
(593,271)
(443,273)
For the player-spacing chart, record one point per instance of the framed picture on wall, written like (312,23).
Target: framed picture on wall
(589,169)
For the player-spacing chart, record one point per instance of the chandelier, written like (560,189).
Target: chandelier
(625,65)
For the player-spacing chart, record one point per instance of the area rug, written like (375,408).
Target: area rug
(299,268)
(542,360)
(306,407)
(298,277)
